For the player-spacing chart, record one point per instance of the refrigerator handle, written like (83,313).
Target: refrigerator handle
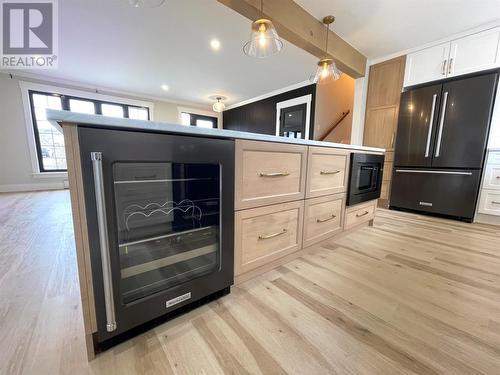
(431,124)
(441,125)
(103,240)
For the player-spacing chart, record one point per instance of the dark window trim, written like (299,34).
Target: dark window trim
(65,106)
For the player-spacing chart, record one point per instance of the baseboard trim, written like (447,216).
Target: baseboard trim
(33,187)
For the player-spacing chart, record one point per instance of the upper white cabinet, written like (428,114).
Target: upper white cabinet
(469,54)
(426,65)
(474,53)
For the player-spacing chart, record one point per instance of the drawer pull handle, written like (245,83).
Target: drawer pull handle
(329,172)
(275,174)
(327,219)
(267,236)
(493,202)
(498,177)
(363,214)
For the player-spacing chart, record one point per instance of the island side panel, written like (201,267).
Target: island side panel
(81,235)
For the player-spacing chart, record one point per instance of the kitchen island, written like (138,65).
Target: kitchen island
(264,201)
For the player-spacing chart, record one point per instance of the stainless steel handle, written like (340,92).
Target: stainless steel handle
(275,174)
(429,133)
(329,172)
(427,204)
(433,172)
(443,68)
(450,66)
(498,177)
(363,214)
(327,219)
(494,202)
(103,241)
(267,236)
(441,125)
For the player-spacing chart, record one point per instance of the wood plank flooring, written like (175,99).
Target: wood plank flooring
(411,295)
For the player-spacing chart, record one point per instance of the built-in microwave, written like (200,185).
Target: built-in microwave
(365,178)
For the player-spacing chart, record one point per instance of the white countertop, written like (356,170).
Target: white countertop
(99,121)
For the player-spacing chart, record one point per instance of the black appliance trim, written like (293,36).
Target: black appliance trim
(375,162)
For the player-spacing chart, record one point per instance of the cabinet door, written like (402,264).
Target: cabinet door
(474,53)
(427,65)
(418,114)
(466,108)
(380,126)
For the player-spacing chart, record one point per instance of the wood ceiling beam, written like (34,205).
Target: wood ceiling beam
(300,28)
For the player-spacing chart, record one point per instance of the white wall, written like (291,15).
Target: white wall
(16,171)
(359,108)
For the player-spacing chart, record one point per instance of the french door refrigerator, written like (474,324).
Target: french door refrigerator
(440,146)
(160,218)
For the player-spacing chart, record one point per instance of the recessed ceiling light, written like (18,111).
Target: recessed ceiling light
(215,44)
(164,87)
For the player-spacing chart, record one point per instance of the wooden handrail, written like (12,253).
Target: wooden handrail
(342,116)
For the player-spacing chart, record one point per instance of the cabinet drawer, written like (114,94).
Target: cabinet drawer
(494,158)
(489,203)
(327,171)
(359,214)
(268,173)
(266,234)
(492,177)
(323,218)
(451,193)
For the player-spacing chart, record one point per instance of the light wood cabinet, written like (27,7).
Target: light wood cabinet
(359,214)
(381,119)
(268,173)
(382,103)
(327,171)
(323,218)
(472,53)
(288,197)
(267,233)
(381,123)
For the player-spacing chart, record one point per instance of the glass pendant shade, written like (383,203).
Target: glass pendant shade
(264,40)
(326,72)
(218,106)
(146,3)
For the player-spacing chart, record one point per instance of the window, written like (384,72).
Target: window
(49,139)
(200,121)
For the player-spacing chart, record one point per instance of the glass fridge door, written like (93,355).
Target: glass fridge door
(168,218)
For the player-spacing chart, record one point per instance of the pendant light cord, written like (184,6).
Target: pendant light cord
(327,32)
(261,8)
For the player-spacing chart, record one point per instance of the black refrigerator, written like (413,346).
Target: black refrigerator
(441,144)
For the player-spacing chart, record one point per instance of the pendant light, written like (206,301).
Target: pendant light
(218,105)
(145,3)
(327,70)
(264,40)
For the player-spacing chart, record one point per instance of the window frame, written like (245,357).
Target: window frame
(193,117)
(30,88)
(201,113)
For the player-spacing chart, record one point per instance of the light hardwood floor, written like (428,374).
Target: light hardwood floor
(412,294)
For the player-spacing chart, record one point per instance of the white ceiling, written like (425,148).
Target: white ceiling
(109,44)
(381,27)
